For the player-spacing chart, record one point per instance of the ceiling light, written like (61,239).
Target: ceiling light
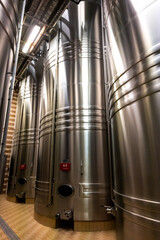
(141,5)
(33,35)
(37,38)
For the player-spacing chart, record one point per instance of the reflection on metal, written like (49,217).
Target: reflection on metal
(8,30)
(92,190)
(133,59)
(25,143)
(12,80)
(80,120)
(45,155)
(2,171)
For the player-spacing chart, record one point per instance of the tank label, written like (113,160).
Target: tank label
(65,166)
(23,166)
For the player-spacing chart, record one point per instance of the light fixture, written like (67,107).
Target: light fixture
(33,35)
(37,38)
(140,5)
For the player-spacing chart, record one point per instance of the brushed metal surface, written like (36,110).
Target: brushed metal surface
(46,148)
(26,136)
(8,29)
(80,119)
(132,57)
(92,190)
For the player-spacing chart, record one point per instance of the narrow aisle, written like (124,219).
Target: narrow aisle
(20,218)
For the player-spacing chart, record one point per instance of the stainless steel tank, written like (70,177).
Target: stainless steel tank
(26,137)
(81,170)
(8,30)
(133,57)
(79,156)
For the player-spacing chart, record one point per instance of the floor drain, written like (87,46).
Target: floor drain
(7,230)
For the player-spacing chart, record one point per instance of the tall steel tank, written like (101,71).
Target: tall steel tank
(8,30)
(26,137)
(133,57)
(81,170)
(79,153)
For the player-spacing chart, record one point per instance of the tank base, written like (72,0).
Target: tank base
(77,225)
(94,226)
(46,221)
(11,199)
(15,200)
(29,201)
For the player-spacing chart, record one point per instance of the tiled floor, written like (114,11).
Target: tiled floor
(20,218)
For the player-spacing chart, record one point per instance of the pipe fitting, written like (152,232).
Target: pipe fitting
(68,214)
(110,210)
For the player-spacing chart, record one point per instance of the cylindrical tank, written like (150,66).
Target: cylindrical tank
(80,157)
(133,56)
(26,137)
(8,30)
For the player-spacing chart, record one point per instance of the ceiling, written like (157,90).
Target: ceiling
(43,13)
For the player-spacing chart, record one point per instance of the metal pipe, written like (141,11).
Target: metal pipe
(134,96)
(15,61)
